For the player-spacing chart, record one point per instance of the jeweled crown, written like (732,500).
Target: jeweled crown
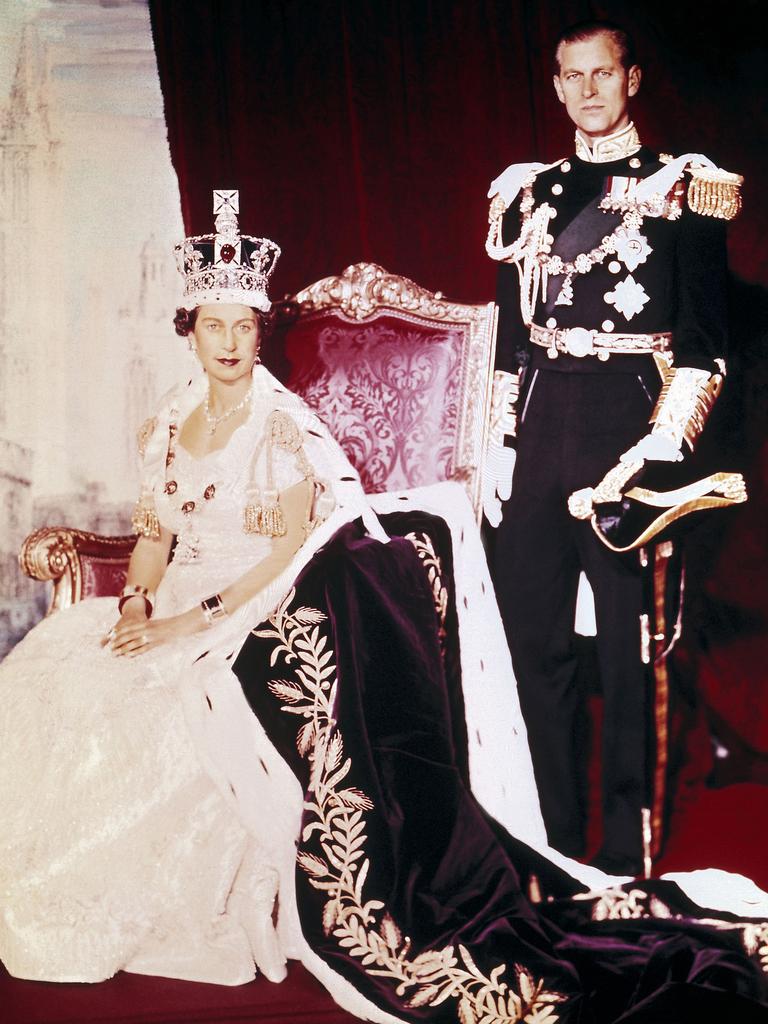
(226,266)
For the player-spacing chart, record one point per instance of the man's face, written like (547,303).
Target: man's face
(594,86)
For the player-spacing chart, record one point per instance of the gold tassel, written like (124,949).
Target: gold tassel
(265,518)
(144,521)
(251,518)
(273,520)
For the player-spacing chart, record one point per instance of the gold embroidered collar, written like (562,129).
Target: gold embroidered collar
(619,144)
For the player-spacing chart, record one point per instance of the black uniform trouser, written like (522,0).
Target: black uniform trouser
(572,427)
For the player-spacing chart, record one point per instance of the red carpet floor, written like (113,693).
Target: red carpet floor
(132,999)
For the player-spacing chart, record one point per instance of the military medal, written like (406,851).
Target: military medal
(628,297)
(632,248)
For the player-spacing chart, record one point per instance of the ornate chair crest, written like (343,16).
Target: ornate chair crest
(401,375)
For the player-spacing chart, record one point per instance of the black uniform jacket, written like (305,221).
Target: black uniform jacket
(683,276)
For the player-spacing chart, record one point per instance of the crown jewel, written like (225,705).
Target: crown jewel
(226,266)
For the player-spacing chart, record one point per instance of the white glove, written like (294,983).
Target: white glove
(580,503)
(499,461)
(654,447)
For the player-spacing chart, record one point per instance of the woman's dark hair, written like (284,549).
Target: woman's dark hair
(185,321)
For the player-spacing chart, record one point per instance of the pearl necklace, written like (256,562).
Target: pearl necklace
(215,421)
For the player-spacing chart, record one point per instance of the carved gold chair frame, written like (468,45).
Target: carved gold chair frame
(78,563)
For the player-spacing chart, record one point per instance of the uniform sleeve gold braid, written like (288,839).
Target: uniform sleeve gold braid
(684,405)
(714,193)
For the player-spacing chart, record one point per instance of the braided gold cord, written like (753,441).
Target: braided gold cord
(265,519)
(611,487)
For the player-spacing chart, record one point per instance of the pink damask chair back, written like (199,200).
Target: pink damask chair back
(401,376)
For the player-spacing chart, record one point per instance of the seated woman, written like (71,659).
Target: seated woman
(117,850)
(290,681)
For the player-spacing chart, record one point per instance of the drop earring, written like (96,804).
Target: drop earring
(192,349)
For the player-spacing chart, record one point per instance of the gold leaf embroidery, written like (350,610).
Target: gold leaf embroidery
(754,937)
(466,1013)
(434,569)
(616,904)
(287,690)
(390,932)
(756,941)
(659,908)
(335,818)
(314,865)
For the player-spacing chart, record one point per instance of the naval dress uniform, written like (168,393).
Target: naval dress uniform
(612,265)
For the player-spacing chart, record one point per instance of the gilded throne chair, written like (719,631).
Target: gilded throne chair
(402,377)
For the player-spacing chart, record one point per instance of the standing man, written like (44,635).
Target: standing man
(612,275)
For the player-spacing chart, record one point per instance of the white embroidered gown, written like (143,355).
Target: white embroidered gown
(117,849)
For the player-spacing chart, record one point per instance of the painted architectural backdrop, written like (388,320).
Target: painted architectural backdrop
(89,214)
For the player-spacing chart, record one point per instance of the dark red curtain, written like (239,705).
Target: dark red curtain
(370,129)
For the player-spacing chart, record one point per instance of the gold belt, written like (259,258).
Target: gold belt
(579,342)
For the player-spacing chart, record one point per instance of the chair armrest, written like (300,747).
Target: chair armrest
(80,564)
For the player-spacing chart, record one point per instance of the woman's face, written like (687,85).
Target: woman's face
(226,339)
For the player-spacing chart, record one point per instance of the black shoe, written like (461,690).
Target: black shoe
(614,863)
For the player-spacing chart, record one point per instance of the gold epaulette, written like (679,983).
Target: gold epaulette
(712,192)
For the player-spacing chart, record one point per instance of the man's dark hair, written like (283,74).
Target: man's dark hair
(584,30)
